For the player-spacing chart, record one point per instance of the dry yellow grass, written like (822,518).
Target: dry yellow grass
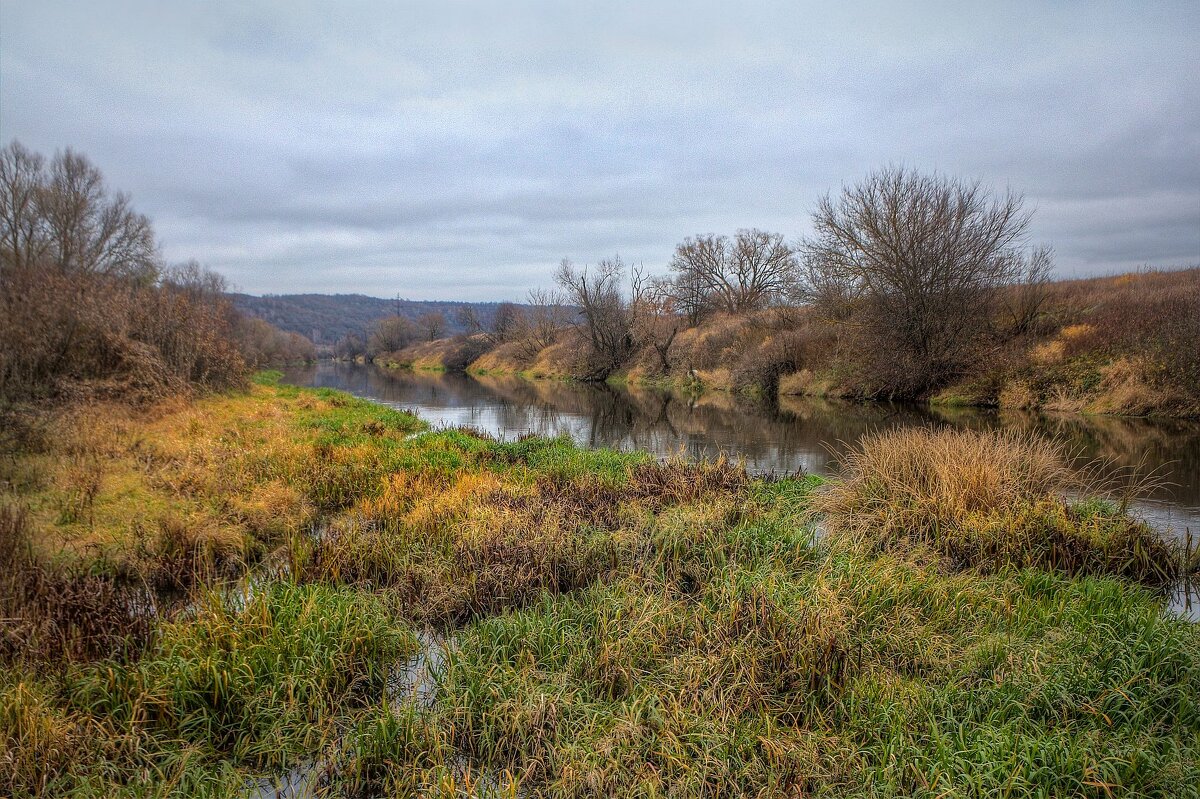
(1048,352)
(1017,395)
(1072,332)
(985,500)
(942,475)
(228,476)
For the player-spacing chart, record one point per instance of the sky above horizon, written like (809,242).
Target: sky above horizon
(456,150)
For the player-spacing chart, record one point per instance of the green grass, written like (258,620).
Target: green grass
(250,682)
(618,626)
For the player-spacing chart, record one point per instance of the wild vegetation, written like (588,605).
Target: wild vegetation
(912,286)
(212,578)
(88,308)
(440,613)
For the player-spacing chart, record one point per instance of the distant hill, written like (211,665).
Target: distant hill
(325,318)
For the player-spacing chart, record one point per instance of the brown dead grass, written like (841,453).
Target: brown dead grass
(985,500)
(451,548)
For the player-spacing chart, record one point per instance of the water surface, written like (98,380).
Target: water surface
(799,433)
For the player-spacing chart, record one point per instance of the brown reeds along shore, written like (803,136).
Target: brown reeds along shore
(206,593)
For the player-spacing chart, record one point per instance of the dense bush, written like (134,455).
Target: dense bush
(69,332)
(87,305)
(262,344)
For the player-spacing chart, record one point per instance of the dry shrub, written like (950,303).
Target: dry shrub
(81,335)
(985,500)
(762,367)
(52,614)
(717,343)
(262,344)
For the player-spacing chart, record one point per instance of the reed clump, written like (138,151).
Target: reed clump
(986,500)
(51,613)
(395,749)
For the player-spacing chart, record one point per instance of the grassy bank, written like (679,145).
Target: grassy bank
(938,622)
(1121,345)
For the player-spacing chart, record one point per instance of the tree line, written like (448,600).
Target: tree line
(919,274)
(911,278)
(88,304)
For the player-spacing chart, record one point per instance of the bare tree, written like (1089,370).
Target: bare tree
(690,297)
(467,316)
(349,347)
(544,318)
(24,237)
(752,270)
(507,323)
(1023,302)
(432,325)
(83,296)
(91,231)
(915,261)
(606,316)
(390,334)
(656,320)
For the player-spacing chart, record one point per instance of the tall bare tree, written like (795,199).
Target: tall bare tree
(91,230)
(607,317)
(915,262)
(24,237)
(750,271)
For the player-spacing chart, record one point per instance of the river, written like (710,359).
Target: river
(799,433)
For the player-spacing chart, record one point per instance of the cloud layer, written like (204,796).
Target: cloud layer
(459,150)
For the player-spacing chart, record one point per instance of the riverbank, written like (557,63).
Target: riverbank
(1122,345)
(612,624)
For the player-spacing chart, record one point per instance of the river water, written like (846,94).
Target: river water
(799,433)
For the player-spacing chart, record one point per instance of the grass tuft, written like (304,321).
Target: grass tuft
(986,501)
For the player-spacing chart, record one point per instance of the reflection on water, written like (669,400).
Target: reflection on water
(800,433)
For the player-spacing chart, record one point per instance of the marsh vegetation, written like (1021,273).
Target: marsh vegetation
(212,578)
(612,624)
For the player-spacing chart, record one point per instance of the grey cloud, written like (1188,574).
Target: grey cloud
(460,149)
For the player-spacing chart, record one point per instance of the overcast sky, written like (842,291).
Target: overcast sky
(459,150)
